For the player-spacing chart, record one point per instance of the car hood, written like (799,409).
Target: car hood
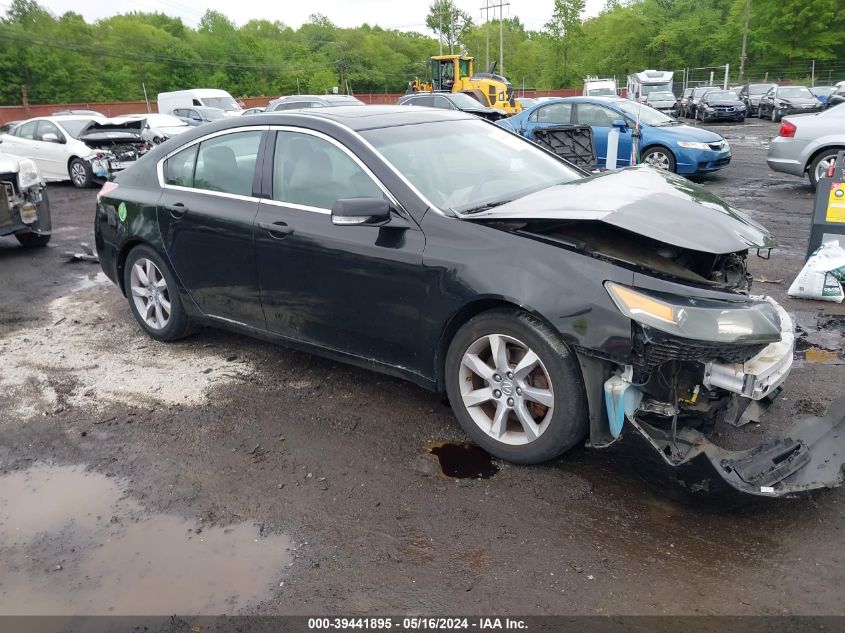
(799,100)
(8,164)
(730,104)
(645,201)
(684,132)
(111,128)
(661,103)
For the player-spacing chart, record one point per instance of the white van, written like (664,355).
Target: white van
(206,97)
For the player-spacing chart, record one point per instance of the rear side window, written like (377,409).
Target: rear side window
(227,163)
(310,171)
(179,168)
(427,101)
(27,130)
(560,113)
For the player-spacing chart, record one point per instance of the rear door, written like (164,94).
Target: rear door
(206,214)
(548,116)
(356,289)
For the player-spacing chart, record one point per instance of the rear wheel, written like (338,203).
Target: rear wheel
(153,295)
(515,387)
(80,173)
(659,157)
(821,163)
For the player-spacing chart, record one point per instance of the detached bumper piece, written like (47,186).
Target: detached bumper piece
(809,456)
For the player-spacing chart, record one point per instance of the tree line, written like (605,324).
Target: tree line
(63,58)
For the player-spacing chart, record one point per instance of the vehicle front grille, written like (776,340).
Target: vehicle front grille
(724,109)
(5,204)
(659,352)
(9,182)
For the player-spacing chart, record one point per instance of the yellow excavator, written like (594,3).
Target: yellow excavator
(454,73)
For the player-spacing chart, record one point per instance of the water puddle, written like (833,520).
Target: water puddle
(73,543)
(463,461)
(89,280)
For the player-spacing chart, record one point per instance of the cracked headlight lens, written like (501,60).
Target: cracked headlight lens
(698,319)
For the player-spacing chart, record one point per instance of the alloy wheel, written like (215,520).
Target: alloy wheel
(78,175)
(506,389)
(823,165)
(657,159)
(150,293)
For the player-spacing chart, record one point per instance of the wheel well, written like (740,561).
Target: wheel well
(660,146)
(121,260)
(457,320)
(814,155)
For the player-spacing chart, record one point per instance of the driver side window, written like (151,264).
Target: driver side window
(48,127)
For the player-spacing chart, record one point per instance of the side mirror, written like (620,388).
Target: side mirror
(353,211)
(620,123)
(49,137)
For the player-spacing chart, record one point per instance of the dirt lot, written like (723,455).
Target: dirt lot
(221,474)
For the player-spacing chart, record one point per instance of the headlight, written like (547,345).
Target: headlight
(698,319)
(28,174)
(694,144)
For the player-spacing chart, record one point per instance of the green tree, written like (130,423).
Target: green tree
(449,22)
(564,29)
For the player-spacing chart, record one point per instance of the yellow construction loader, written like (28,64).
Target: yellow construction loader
(454,73)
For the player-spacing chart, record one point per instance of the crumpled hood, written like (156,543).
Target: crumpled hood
(646,201)
(104,128)
(799,100)
(725,102)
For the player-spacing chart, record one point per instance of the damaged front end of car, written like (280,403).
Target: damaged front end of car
(694,349)
(23,206)
(115,144)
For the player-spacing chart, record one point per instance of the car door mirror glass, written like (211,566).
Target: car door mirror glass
(355,211)
(49,137)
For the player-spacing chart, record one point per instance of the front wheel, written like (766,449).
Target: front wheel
(80,173)
(153,295)
(515,387)
(774,116)
(659,157)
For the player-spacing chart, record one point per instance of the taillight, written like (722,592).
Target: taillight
(106,189)
(787,129)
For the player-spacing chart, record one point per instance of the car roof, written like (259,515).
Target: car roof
(366,118)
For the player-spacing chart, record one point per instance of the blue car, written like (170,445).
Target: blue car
(665,142)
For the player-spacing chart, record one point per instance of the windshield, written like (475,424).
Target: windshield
(527,102)
(823,91)
(721,95)
(661,96)
(601,92)
(699,92)
(759,89)
(463,101)
(484,165)
(647,90)
(647,115)
(213,114)
(794,92)
(74,126)
(223,103)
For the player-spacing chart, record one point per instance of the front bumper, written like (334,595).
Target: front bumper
(698,161)
(786,110)
(759,376)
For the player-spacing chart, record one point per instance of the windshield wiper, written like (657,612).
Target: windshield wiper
(484,207)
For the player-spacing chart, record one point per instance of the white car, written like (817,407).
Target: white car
(24,207)
(159,127)
(77,148)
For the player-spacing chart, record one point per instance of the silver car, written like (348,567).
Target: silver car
(808,143)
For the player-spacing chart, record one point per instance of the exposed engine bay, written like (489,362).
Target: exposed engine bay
(116,145)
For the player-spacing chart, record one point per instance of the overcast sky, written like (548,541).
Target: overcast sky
(406,15)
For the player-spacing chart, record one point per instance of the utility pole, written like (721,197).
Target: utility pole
(440,29)
(451,29)
(487,33)
(501,7)
(742,57)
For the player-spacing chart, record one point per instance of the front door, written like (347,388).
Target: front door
(356,289)
(601,119)
(206,214)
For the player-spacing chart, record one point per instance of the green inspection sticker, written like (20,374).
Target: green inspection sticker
(121,211)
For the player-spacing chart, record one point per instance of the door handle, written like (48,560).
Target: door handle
(277,230)
(176,210)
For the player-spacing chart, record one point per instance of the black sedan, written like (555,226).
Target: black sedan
(720,105)
(549,305)
(452,101)
(783,100)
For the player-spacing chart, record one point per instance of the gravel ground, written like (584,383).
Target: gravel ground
(326,468)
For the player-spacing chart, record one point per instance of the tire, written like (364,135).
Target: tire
(774,116)
(80,173)
(32,240)
(510,424)
(659,153)
(817,164)
(155,289)
(760,113)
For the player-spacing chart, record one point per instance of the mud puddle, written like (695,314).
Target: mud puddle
(458,460)
(89,280)
(820,338)
(73,543)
